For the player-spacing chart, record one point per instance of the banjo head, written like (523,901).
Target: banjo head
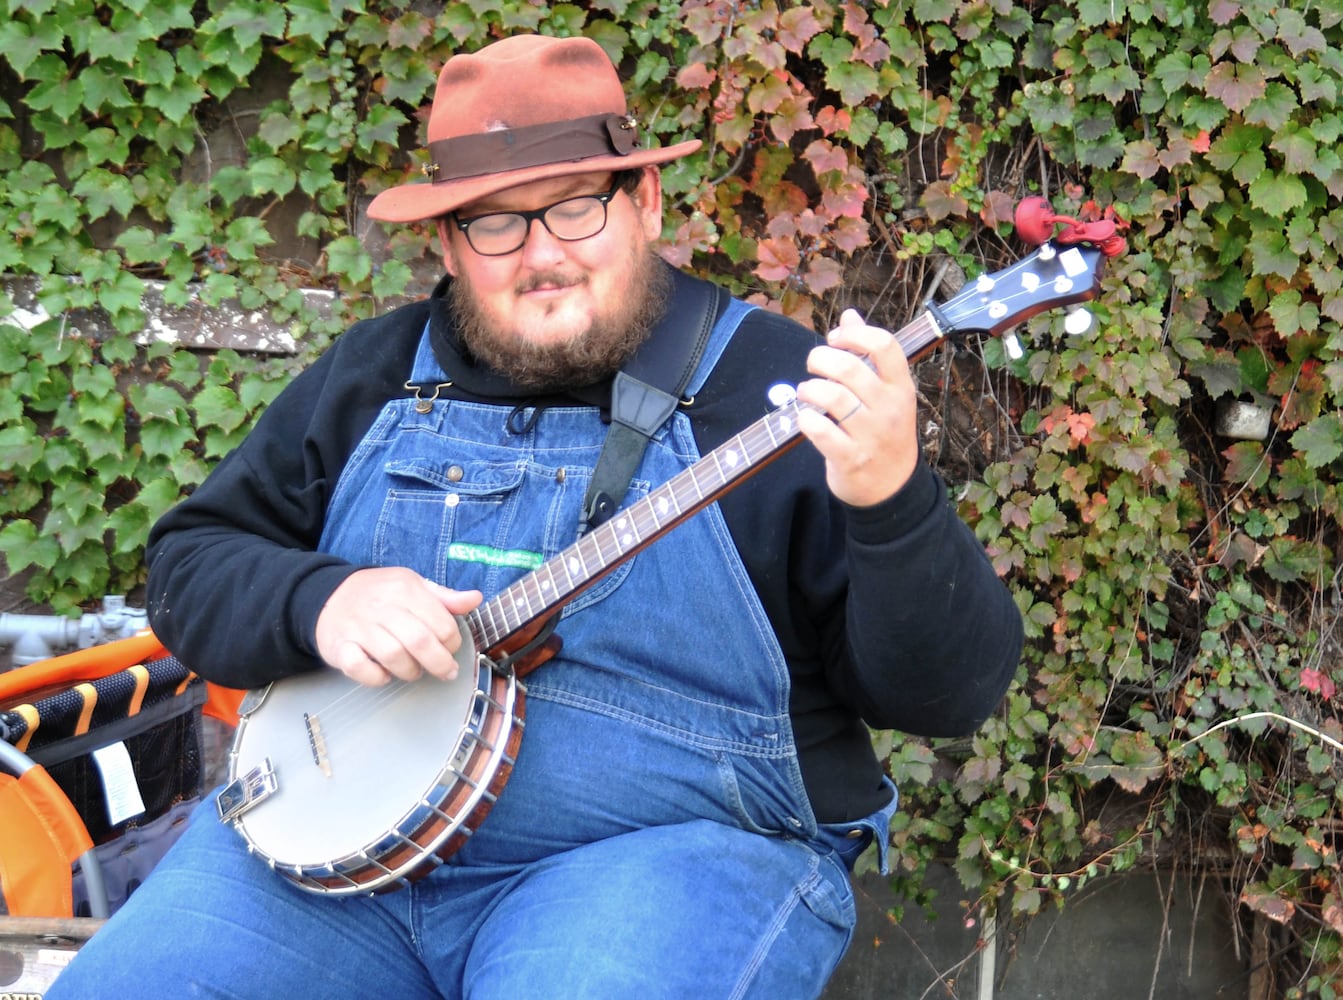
(363,789)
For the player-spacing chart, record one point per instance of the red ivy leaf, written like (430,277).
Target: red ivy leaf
(797,26)
(846,200)
(1319,682)
(1236,85)
(831,120)
(999,207)
(1178,151)
(770,93)
(696,76)
(1333,913)
(779,259)
(1262,900)
(940,203)
(850,232)
(824,155)
(823,274)
(1140,159)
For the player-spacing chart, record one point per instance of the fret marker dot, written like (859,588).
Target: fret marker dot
(732,459)
(575,567)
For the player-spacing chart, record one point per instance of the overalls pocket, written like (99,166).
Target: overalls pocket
(430,507)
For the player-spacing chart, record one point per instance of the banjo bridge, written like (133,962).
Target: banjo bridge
(317,743)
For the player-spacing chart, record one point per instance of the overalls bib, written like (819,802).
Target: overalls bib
(669,698)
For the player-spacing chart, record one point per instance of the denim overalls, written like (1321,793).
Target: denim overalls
(654,838)
(669,699)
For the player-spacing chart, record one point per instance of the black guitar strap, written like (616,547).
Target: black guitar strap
(645,392)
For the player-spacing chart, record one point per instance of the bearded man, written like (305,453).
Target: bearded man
(527,489)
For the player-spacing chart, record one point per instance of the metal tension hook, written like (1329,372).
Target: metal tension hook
(423,405)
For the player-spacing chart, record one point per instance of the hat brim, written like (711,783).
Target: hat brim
(428,200)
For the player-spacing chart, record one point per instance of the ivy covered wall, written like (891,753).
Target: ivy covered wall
(1178,700)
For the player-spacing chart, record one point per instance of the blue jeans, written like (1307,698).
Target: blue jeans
(696,910)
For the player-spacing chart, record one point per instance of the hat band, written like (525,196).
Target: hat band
(531,146)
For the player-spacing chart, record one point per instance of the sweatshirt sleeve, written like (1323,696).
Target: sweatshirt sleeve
(892,614)
(235,578)
(932,637)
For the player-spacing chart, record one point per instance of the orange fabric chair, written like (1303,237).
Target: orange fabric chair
(59,718)
(99,661)
(43,837)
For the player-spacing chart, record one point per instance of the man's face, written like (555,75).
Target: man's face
(556,313)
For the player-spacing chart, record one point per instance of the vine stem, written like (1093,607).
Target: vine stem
(1333,743)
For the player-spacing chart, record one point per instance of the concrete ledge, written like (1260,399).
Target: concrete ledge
(196,326)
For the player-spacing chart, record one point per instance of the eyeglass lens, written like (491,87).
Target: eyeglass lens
(500,233)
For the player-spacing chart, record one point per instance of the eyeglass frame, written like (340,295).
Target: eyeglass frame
(603,198)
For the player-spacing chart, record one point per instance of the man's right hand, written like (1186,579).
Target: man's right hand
(392,622)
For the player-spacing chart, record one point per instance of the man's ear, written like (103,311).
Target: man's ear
(449,264)
(648,197)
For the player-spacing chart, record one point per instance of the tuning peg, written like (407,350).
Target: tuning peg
(1077,321)
(1034,219)
(1013,346)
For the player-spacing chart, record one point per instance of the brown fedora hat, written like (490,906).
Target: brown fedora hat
(522,109)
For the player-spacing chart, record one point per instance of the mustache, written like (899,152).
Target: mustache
(548,279)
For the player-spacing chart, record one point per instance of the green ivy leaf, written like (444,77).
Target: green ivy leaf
(271,175)
(1275,108)
(1320,442)
(1246,464)
(22,43)
(1277,194)
(382,125)
(21,446)
(177,99)
(278,129)
(1270,253)
(218,406)
(1299,148)
(1239,151)
(317,19)
(1288,560)
(248,21)
(347,258)
(23,547)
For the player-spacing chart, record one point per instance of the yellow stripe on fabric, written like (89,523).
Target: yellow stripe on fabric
(90,695)
(30,716)
(140,673)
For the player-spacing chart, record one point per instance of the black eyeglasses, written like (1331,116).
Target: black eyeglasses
(497,234)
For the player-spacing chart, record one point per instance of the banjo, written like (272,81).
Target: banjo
(330,782)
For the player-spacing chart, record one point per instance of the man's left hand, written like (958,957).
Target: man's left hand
(862,413)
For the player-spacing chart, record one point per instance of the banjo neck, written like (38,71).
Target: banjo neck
(534,598)
(520,608)
(1058,273)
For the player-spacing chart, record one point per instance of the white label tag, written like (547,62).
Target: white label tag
(119,784)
